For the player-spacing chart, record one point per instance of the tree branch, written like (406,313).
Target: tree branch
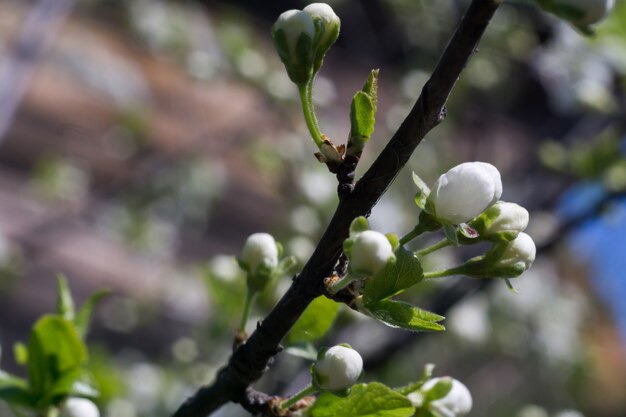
(251,359)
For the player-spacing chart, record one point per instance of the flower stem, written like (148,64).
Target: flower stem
(250,294)
(457,270)
(341,284)
(439,245)
(308,390)
(306,99)
(417,231)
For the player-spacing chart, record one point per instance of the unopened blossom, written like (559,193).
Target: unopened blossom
(502,217)
(465,191)
(370,253)
(260,249)
(456,403)
(294,33)
(327,25)
(520,253)
(338,369)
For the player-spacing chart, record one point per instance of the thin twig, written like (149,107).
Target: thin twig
(250,361)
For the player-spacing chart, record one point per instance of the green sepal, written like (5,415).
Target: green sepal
(440,390)
(450,232)
(299,65)
(279,249)
(322,48)
(358,225)
(403,315)
(394,241)
(427,373)
(423,191)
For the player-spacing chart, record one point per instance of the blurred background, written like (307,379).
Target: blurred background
(142,141)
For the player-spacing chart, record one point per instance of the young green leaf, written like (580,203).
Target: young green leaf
(422,191)
(83,317)
(440,390)
(54,350)
(405,316)
(362,116)
(397,276)
(315,321)
(20,352)
(365,400)
(65,303)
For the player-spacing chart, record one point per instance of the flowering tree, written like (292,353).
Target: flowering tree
(352,264)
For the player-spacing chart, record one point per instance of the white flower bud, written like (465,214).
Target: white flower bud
(370,253)
(465,191)
(457,403)
(502,217)
(294,33)
(519,252)
(593,11)
(339,369)
(80,407)
(327,29)
(260,249)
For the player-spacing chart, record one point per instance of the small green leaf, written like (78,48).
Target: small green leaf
(14,390)
(371,87)
(20,352)
(422,191)
(393,240)
(83,317)
(54,350)
(304,350)
(395,277)
(365,400)
(450,232)
(362,116)
(405,316)
(315,321)
(358,225)
(440,390)
(65,303)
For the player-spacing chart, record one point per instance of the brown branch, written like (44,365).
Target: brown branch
(249,362)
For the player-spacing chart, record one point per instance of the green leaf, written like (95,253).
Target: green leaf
(365,400)
(76,383)
(20,352)
(358,225)
(395,277)
(423,191)
(440,390)
(371,87)
(362,116)
(315,321)
(405,316)
(14,390)
(65,303)
(83,317)
(54,350)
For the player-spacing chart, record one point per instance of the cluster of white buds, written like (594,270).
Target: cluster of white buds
(302,38)
(457,402)
(337,369)
(80,407)
(464,192)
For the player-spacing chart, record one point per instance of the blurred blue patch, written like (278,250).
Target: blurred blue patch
(601,242)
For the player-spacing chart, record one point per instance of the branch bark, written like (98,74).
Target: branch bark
(251,359)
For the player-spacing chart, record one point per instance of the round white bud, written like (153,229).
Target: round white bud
(339,369)
(80,407)
(295,23)
(519,251)
(502,217)
(456,403)
(593,11)
(370,253)
(329,20)
(465,191)
(260,249)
